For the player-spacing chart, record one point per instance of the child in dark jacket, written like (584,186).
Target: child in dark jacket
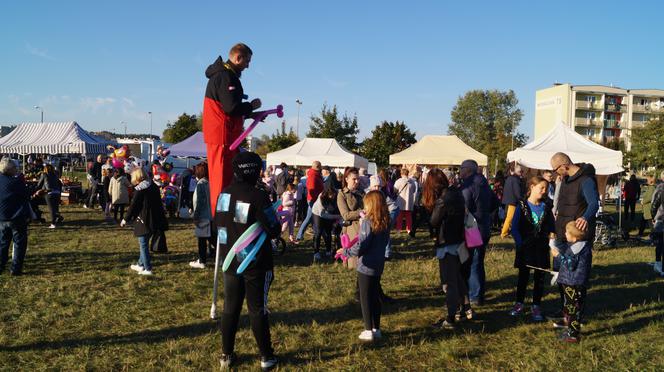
(532,226)
(373,237)
(575,262)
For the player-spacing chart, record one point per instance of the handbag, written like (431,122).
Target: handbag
(472,232)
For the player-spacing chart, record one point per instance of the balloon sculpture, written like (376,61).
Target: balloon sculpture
(258,116)
(119,155)
(346,243)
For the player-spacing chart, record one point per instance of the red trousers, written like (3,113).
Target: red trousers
(408,215)
(220,169)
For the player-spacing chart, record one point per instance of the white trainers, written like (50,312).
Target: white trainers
(197,264)
(52,226)
(658,267)
(366,335)
(376,333)
(137,268)
(145,272)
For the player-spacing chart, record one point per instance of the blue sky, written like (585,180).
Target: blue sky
(101,63)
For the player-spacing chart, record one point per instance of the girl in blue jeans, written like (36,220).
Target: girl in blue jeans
(147,213)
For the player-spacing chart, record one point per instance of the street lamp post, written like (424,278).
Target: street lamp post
(150,113)
(125,127)
(299,103)
(42,112)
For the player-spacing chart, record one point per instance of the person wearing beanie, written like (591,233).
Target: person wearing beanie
(239,206)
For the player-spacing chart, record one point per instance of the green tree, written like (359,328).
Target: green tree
(328,125)
(280,140)
(486,120)
(386,139)
(648,145)
(184,127)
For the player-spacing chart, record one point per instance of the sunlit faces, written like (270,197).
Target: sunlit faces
(352,181)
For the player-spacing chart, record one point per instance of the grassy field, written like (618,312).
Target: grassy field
(79,307)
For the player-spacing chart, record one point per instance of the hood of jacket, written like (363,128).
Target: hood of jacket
(217,66)
(585,170)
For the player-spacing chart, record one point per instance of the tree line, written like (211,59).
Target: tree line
(486,120)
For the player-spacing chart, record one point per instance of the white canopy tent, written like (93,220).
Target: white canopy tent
(438,150)
(51,138)
(537,154)
(326,150)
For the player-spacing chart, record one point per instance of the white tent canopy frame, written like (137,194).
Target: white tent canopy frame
(440,151)
(537,155)
(51,138)
(326,150)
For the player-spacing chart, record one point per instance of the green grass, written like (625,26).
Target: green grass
(79,307)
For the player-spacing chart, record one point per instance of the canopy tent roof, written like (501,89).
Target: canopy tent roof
(438,150)
(537,154)
(326,150)
(52,138)
(191,147)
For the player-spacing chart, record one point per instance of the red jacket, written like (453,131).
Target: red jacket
(223,109)
(314,184)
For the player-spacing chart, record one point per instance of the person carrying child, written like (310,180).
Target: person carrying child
(373,237)
(532,225)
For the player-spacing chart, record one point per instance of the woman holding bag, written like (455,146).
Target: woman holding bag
(446,206)
(202,215)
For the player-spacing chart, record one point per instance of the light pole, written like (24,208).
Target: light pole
(42,112)
(299,104)
(125,126)
(150,113)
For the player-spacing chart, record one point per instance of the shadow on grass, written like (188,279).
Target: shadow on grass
(73,262)
(146,337)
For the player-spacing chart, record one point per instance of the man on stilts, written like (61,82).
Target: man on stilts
(223,115)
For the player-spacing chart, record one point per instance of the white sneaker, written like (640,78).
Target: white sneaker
(137,268)
(145,272)
(197,264)
(52,226)
(366,335)
(85,206)
(658,267)
(376,333)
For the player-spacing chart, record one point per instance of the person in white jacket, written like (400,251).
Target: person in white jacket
(405,189)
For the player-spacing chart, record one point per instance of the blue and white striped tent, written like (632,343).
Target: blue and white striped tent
(52,138)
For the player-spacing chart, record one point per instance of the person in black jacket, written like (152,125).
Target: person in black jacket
(532,226)
(49,183)
(94,178)
(447,207)
(14,215)
(147,212)
(239,206)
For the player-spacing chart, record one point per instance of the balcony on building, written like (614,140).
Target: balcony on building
(614,107)
(587,122)
(588,105)
(613,123)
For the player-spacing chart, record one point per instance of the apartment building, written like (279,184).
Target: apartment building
(600,113)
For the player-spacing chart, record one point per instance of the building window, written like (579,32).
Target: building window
(590,115)
(608,133)
(591,99)
(591,132)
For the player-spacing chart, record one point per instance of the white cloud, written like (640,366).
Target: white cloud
(95,103)
(128,102)
(41,53)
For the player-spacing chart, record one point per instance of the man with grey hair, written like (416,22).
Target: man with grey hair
(478,198)
(14,214)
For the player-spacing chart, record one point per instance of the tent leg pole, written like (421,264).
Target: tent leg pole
(620,205)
